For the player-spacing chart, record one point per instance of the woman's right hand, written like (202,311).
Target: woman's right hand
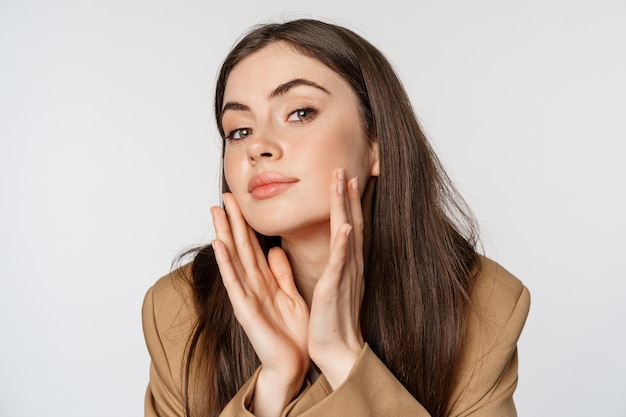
(268,306)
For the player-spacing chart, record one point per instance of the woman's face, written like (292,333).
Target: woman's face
(289,122)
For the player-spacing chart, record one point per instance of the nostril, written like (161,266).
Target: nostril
(266,154)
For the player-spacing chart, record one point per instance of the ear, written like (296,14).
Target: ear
(374,159)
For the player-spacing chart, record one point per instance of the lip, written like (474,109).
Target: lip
(268,185)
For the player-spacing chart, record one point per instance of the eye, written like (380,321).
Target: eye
(239,134)
(302,115)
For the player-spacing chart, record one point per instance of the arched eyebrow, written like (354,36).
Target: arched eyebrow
(233,105)
(284,87)
(278,91)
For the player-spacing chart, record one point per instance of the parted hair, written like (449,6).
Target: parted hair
(420,254)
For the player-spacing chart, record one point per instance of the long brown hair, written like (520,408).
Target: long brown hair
(421,250)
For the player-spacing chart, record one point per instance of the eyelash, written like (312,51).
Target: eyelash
(303,115)
(307,118)
(232,133)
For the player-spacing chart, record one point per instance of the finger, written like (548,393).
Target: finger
(333,272)
(257,250)
(230,277)
(255,271)
(222,229)
(358,287)
(224,235)
(240,234)
(338,203)
(281,269)
(356,215)
(265,276)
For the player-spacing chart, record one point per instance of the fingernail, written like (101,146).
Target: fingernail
(355,183)
(341,176)
(216,249)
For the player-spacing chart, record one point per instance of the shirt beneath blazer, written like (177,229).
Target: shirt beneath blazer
(485,374)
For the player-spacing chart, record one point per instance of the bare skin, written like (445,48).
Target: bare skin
(289,328)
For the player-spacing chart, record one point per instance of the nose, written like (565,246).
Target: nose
(262,145)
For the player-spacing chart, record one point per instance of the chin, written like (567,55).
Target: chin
(269,228)
(281,225)
(264,229)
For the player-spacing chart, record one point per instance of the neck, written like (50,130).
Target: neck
(308,254)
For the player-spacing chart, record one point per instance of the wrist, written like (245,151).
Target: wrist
(271,394)
(336,366)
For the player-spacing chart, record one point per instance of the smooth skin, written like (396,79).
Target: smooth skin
(276,122)
(285,334)
(288,114)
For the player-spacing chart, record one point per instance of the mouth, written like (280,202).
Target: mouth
(268,185)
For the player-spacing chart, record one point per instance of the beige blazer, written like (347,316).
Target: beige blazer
(485,373)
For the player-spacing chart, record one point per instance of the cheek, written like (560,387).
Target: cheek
(351,155)
(231,171)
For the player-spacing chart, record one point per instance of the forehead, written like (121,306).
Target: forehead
(260,72)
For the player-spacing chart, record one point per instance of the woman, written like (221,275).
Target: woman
(344,278)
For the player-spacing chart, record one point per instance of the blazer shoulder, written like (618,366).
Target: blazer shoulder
(168,317)
(169,308)
(486,370)
(168,311)
(498,291)
(178,280)
(499,307)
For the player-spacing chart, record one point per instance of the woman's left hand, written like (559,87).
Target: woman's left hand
(334,336)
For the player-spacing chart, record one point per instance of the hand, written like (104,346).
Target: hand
(267,304)
(334,339)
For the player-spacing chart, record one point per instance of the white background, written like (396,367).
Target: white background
(109,164)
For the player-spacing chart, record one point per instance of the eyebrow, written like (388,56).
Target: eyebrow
(278,91)
(283,88)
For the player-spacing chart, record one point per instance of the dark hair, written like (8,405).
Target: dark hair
(420,256)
